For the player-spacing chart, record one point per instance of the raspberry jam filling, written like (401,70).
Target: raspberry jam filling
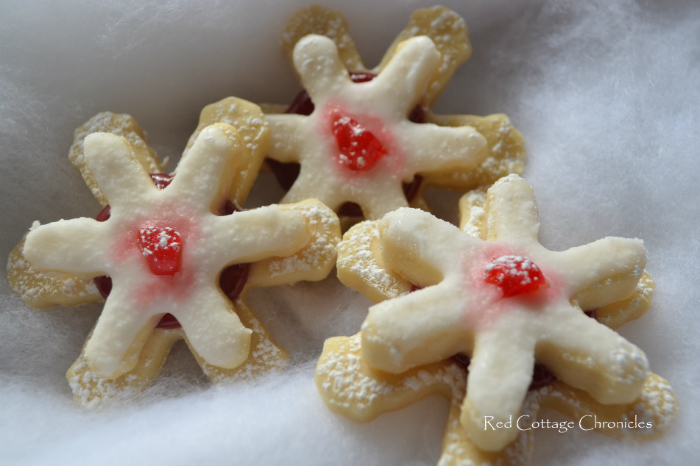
(358,148)
(287,173)
(161,180)
(231,281)
(515,275)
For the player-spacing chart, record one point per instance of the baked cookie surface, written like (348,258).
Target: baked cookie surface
(391,102)
(437,299)
(173,255)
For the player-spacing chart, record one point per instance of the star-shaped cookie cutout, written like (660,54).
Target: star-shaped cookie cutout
(506,326)
(351,387)
(196,301)
(359,145)
(355,390)
(504,152)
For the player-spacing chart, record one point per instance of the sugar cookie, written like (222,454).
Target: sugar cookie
(175,249)
(381,115)
(355,390)
(411,250)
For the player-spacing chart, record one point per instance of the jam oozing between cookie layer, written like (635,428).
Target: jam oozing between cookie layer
(231,281)
(515,275)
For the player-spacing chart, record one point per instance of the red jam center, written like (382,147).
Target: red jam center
(161,247)
(359,149)
(287,173)
(515,275)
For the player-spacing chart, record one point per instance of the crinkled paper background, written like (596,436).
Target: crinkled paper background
(607,94)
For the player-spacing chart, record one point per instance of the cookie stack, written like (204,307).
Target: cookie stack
(481,314)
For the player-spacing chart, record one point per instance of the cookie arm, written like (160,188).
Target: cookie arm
(119,175)
(407,75)
(375,207)
(214,330)
(413,243)
(261,233)
(319,66)
(78,245)
(511,211)
(116,342)
(594,358)
(204,176)
(286,133)
(500,373)
(604,271)
(438,148)
(414,329)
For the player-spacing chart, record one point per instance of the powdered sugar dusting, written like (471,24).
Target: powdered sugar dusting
(355,257)
(458,450)
(93,391)
(120,125)
(265,357)
(345,386)
(321,251)
(656,405)
(505,151)
(254,133)
(45,289)
(330,23)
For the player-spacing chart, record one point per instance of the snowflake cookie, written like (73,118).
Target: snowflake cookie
(355,390)
(358,134)
(464,302)
(174,257)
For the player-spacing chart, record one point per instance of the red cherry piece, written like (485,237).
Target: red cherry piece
(358,148)
(161,247)
(168,321)
(232,280)
(161,180)
(514,275)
